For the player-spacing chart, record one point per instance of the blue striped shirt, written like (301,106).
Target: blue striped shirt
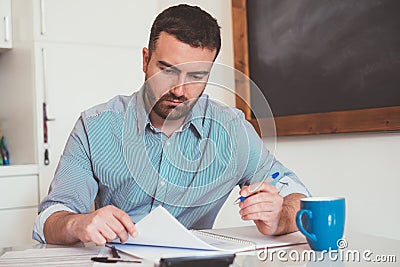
(115,156)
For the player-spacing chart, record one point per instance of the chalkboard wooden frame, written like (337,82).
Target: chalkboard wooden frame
(362,120)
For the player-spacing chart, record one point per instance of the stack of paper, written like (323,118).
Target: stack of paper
(77,256)
(161,234)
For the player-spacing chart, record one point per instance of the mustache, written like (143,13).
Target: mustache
(172,97)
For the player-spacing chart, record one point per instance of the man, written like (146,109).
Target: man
(167,144)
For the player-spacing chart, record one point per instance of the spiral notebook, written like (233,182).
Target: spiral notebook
(160,228)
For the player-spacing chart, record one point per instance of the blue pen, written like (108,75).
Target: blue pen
(269,179)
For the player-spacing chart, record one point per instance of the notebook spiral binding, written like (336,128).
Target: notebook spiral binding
(226,237)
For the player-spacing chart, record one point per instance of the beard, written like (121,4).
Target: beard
(165,110)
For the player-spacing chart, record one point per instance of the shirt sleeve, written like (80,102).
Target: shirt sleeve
(38,227)
(74,186)
(258,163)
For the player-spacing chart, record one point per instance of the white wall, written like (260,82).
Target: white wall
(365,168)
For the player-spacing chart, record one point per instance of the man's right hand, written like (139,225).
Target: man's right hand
(100,226)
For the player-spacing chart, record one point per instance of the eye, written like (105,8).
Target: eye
(197,77)
(167,70)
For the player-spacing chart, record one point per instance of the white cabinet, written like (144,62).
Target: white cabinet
(71,55)
(74,78)
(86,52)
(5,24)
(112,22)
(16,227)
(16,191)
(18,203)
(19,194)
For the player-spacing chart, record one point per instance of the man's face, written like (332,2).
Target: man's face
(176,76)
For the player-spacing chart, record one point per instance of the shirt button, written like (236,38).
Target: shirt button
(162,182)
(167,143)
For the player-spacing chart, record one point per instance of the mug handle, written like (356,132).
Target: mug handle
(300,225)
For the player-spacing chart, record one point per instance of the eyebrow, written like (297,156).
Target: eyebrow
(166,64)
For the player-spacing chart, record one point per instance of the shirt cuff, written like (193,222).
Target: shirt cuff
(287,186)
(38,228)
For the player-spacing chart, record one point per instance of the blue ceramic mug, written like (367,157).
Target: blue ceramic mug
(322,221)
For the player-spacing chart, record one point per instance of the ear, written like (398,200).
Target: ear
(145,58)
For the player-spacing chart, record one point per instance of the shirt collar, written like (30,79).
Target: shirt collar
(142,117)
(194,118)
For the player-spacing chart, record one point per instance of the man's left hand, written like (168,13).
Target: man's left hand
(263,205)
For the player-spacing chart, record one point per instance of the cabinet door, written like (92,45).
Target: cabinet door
(5,24)
(18,191)
(113,22)
(16,227)
(72,78)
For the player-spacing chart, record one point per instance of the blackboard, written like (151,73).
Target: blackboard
(321,56)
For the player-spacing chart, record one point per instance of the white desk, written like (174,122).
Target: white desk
(367,246)
(371,246)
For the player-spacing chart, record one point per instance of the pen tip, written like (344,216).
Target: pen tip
(240,199)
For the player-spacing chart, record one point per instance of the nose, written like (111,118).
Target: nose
(179,89)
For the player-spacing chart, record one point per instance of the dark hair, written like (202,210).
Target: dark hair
(189,24)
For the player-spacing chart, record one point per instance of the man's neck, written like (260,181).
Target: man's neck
(166,126)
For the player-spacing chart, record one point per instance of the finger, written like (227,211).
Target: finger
(126,221)
(267,217)
(98,239)
(263,216)
(117,229)
(259,207)
(263,197)
(258,187)
(108,233)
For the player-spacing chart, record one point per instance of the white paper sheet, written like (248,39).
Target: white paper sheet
(159,228)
